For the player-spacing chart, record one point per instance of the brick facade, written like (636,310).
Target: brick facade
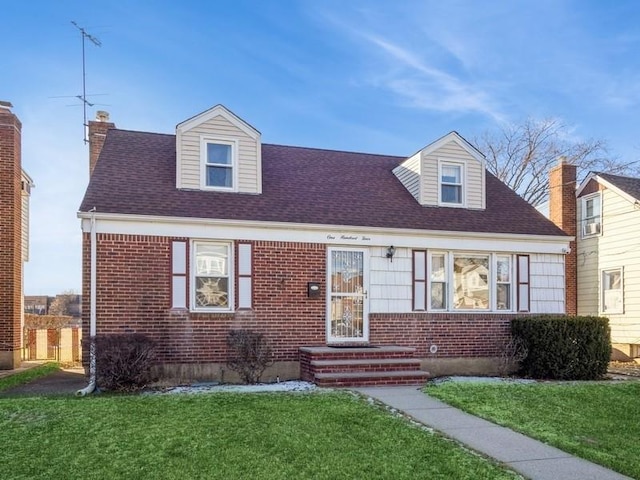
(134,295)
(10,238)
(562,212)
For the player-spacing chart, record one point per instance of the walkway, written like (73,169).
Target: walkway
(531,458)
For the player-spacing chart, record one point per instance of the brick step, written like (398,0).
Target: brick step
(346,379)
(345,353)
(365,365)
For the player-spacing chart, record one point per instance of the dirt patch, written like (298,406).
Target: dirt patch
(631,369)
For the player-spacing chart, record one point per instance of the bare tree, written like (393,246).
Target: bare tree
(61,305)
(521,155)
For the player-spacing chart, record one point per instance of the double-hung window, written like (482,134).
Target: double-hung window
(591,214)
(451,184)
(211,276)
(438,277)
(218,164)
(612,299)
(456,281)
(503,282)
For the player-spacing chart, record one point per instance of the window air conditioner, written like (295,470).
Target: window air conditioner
(591,229)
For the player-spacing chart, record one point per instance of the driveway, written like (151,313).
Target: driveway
(63,382)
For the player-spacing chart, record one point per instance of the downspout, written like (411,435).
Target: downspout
(92,315)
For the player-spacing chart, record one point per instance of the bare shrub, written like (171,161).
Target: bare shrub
(512,352)
(250,354)
(123,362)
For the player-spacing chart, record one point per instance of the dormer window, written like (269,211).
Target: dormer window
(451,178)
(218,163)
(591,215)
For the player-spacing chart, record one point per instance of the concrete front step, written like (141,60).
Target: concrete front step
(350,379)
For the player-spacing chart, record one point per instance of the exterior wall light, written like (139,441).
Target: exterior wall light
(391,252)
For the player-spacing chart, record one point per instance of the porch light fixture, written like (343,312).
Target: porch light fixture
(391,252)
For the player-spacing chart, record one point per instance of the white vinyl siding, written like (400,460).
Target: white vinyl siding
(390,282)
(25,225)
(190,159)
(615,247)
(408,172)
(473,175)
(546,283)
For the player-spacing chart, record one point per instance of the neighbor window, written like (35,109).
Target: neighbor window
(218,164)
(591,224)
(612,301)
(471,282)
(211,276)
(451,184)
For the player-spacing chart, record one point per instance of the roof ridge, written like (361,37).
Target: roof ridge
(143,131)
(335,151)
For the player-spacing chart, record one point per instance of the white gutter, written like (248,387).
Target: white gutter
(92,320)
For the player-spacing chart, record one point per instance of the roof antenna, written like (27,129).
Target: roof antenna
(83,98)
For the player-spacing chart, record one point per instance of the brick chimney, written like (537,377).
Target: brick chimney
(562,212)
(97,133)
(10,238)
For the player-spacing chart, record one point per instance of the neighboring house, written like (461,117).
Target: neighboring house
(608,209)
(426,258)
(42,304)
(15,189)
(37,304)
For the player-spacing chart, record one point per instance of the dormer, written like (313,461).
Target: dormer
(449,172)
(218,151)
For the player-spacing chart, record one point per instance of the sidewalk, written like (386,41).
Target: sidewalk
(530,458)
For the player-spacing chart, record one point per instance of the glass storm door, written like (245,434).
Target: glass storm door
(347,304)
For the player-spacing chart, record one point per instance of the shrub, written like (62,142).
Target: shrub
(512,352)
(250,354)
(564,347)
(123,362)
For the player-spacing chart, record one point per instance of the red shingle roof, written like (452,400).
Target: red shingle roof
(136,175)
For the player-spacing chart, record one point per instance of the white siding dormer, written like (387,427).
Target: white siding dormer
(216,150)
(449,166)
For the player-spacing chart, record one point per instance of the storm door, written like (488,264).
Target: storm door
(347,303)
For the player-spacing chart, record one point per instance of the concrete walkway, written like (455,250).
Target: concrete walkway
(530,458)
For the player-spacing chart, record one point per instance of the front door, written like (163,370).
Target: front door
(347,303)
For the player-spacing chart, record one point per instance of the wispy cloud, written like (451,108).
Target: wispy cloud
(429,87)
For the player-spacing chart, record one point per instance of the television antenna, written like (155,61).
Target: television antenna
(83,98)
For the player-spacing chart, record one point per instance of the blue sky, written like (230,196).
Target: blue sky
(360,75)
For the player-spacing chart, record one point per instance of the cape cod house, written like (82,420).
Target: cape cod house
(609,256)
(348,262)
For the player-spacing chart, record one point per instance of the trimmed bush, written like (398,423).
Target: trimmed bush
(250,354)
(564,347)
(123,362)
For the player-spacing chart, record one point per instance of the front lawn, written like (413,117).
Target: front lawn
(225,436)
(596,421)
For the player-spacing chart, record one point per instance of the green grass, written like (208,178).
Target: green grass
(26,376)
(224,436)
(596,421)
